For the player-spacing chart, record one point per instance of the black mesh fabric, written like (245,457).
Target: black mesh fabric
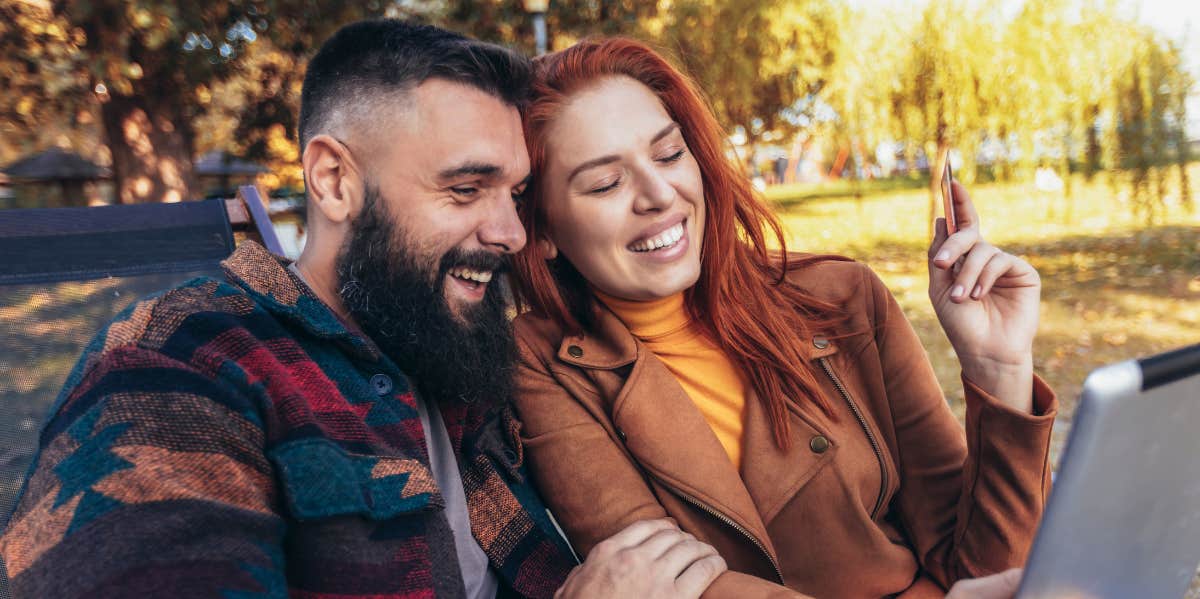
(64,273)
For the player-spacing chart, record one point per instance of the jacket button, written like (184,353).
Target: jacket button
(575,351)
(819,444)
(382,384)
(621,435)
(820,342)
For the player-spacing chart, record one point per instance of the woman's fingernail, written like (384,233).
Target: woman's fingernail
(976,291)
(942,255)
(957,291)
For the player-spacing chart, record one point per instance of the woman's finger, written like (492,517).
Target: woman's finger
(999,265)
(939,236)
(964,208)
(972,266)
(955,247)
(939,277)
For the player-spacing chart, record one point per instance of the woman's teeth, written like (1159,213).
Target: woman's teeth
(468,274)
(666,239)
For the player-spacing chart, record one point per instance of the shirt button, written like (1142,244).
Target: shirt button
(575,351)
(820,342)
(819,444)
(382,384)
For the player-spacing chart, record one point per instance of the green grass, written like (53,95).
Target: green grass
(792,193)
(1113,288)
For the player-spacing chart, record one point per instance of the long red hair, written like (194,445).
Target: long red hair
(742,299)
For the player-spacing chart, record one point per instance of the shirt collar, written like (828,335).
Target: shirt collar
(649,319)
(267,279)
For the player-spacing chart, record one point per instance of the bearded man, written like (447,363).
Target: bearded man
(336,427)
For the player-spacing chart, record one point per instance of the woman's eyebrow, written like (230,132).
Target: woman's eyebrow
(592,163)
(665,132)
(613,157)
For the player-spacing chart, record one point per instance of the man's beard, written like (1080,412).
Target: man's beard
(396,295)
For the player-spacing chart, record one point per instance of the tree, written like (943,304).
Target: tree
(41,105)
(506,21)
(943,100)
(152,66)
(756,60)
(1151,115)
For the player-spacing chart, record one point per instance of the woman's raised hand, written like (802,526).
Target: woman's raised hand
(987,302)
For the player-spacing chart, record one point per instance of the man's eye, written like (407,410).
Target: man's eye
(672,158)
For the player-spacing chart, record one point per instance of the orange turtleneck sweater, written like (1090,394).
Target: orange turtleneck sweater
(708,376)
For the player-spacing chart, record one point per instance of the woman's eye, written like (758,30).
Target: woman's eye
(672,158)
(605,188)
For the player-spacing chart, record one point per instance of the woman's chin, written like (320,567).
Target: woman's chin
(670,283)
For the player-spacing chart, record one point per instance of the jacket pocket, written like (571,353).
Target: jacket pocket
(321,480)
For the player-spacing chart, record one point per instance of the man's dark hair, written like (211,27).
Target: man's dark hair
(363,60)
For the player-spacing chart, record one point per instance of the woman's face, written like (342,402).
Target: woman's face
(624,196)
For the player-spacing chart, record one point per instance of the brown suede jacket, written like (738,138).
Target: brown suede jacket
(890,498)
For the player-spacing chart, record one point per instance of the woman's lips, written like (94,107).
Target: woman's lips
(663,240)
(663,247)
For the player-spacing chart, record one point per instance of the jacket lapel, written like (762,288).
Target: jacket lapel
(662,427)
(772,475)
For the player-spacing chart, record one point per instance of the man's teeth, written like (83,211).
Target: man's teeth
(478,276)
(665,239)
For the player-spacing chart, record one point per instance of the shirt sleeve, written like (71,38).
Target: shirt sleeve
(150,480)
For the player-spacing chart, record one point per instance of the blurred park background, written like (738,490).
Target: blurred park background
(1073,122)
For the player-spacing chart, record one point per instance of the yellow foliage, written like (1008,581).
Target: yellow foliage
(141,17)
(25,106)
(280,145)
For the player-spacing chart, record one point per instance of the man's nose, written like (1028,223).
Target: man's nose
(501,229)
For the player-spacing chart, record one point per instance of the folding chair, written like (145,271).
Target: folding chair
(66,272)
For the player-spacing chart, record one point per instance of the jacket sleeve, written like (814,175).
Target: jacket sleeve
(586,478)
(970,505)
(150,481)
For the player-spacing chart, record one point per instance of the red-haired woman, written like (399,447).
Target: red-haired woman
(778,407)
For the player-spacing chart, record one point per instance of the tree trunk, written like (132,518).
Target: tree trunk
(1182,158)
(151,146)
(1091,163)
(1185,189)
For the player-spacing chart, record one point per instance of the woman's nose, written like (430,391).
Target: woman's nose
(654,193)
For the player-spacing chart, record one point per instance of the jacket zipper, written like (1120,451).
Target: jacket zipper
(862,421)
(728,521)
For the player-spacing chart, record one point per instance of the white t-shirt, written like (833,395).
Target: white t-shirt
(477,575)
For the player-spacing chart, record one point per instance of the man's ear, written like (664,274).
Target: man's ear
(547,247)
(333,179)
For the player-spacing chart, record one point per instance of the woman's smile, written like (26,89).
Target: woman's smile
(626,204)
